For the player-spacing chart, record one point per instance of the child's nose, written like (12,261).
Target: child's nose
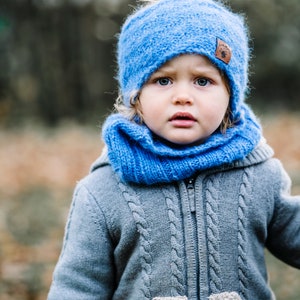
(182,95)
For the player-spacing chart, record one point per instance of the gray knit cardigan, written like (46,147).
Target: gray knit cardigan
(195,239)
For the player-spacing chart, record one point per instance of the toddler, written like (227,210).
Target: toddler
(186,195)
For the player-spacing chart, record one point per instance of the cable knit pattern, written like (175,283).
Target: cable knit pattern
(113,256)
(213,234)
(143,228)
(242,241)
(176,241)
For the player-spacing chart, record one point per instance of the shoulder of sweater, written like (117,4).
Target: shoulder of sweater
(261,154)
(101,161)
(101,176)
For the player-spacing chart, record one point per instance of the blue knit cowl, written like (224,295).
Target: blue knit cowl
(136,155)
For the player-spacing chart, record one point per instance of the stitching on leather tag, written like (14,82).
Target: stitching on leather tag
(223,51)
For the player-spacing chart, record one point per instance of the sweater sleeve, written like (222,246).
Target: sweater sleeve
(284,230)
(85,267)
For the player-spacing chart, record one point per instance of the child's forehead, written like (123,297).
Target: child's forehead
(197,60)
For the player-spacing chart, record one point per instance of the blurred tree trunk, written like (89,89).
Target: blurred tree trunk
(56,66)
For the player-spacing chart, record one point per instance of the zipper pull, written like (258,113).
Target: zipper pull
(191,194)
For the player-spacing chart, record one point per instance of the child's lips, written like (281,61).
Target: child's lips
(182,119)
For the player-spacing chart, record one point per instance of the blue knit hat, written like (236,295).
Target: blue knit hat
(165,29)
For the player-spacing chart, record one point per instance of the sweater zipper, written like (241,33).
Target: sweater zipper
(192,203)
(191,193)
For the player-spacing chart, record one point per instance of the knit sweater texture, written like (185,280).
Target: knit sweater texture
(191,239)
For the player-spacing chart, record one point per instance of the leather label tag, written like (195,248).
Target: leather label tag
(223,51)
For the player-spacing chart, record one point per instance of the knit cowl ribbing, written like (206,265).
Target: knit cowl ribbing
(137,156)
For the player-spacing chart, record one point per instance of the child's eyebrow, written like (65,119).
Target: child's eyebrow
(165,68)
(210,68)
(206,69)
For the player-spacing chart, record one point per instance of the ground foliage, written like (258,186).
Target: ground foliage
(39,168)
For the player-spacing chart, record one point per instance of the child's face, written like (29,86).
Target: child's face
(185,101)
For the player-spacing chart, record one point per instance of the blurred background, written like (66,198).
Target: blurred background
(57,68)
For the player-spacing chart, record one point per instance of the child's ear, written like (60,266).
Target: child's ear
(134,99)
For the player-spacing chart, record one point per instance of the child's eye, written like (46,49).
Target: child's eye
(163,81)
(202,81)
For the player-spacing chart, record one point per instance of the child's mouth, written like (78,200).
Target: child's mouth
(182,119)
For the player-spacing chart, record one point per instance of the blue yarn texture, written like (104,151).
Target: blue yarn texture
(137,156)
(150,37)
(159,32)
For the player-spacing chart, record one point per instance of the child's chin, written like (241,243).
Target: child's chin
(179,144)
